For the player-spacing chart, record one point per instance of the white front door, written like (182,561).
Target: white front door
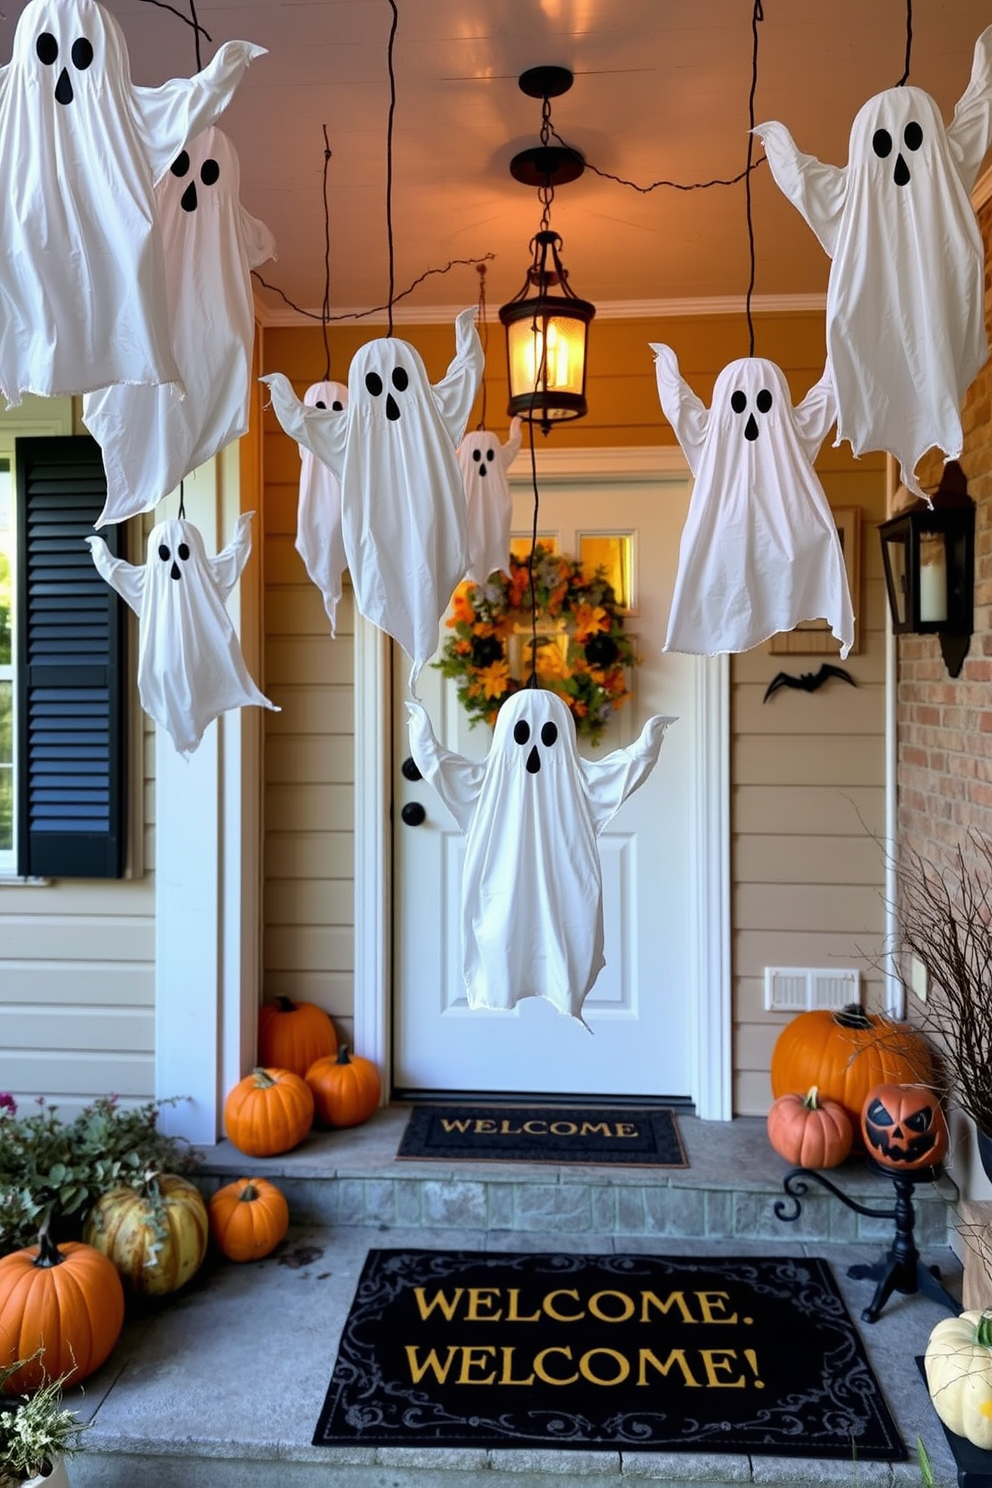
(644,1008)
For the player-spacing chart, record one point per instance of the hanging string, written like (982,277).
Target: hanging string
(182,501)
(654,185)
(909,43)
(484,336)
(325,309)
(374,309)
(389,159)
(190,20)
(756,15)
(532,679)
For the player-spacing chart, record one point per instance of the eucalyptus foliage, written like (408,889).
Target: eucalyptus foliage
(53,1171)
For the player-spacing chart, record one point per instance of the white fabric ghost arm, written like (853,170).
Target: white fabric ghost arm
(324,432)
(511,448)
(817,191)
(455,393)
(970,131)
(128,580)
(686,413)
(228,565)
(260,245)
(816,415)
(172,114)
(611,780)
(457,780)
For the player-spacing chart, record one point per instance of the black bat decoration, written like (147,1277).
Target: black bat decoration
(809,681)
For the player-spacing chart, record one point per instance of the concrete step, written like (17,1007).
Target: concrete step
(729,1190)
(221,1385)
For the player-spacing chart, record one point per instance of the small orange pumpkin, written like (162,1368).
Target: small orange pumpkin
(809,1132)
(291,1035)
(845,1053)
(904,1127)
(346,1090)
(268,1112)
(248,1218)
(64,1303)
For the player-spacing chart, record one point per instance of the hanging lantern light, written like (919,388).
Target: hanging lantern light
(928,553)
(547,325)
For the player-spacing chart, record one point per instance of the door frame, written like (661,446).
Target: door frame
(711,1072)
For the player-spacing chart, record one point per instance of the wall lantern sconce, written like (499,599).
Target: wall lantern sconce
(547,325)
(929,560)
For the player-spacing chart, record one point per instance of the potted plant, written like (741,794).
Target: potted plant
(38,1434)
(945,919)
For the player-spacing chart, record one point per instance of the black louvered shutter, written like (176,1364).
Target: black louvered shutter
(71,650)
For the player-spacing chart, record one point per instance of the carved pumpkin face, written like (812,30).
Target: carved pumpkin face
(904,1127)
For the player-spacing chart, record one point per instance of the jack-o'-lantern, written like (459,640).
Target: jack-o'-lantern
(904,1127)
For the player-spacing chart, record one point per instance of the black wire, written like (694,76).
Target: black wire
(532,679)
(484,336)
(196,34)
(375,309)
(654,185)
(198,29)
(182,501)
(389,156)
(326,307)
(909,43)
(756,15)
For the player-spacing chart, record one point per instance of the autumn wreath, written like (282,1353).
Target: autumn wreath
(581,654)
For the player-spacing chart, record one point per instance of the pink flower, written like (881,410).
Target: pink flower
(7,1103)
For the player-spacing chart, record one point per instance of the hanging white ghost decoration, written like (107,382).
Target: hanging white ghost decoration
(532,892)
(402,500)
(83,298)
(190,666)
(905,298)
(151,439)
(760,550)
(319,539)
(488,503)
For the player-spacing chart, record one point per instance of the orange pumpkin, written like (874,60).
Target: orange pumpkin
(291,1035)
(248,1218)
(904,1127)
(268,1112)
(845,1053)
(64,1303)
(346,1090)
(809,1132)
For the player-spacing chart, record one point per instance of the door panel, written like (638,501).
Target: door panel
(639,1010)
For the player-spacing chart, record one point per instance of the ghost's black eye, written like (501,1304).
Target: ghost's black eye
(477,455)
(47,48)
(374,383)
(521,731)
(881,143)
(489,454)
(913,135)
(209,172)
(549,734)
(82,53)
(183,551)
(180,165)
(738,401)
(320,403)
(763,401)
(400,379)
(164,553)
(337,405)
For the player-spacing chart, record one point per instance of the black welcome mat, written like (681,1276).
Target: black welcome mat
(618,1135)
(642,1353)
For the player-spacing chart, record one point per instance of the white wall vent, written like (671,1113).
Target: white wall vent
(796,989)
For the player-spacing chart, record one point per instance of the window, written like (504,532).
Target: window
(62,682)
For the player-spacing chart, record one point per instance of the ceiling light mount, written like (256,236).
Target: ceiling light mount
(545,82)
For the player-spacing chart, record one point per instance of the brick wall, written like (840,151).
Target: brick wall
(945,723)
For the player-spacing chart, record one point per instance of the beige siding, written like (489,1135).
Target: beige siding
(308,891)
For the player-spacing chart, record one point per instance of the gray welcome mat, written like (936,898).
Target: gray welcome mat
(620,1135)
(613,1352)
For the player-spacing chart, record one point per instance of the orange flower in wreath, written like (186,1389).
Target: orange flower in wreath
(589,620)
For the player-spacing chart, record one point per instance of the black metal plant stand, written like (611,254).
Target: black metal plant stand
(901,1270)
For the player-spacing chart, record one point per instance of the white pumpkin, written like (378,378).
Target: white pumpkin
(958,1365)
